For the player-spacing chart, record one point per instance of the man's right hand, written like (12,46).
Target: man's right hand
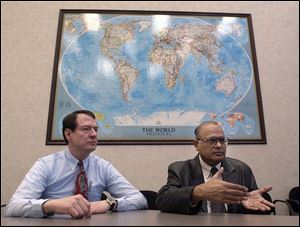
(217,190)
(76,206)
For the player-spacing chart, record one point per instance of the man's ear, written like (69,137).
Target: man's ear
(68,134)
(195,142)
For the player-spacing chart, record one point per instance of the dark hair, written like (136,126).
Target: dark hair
(70,121)
(199,127)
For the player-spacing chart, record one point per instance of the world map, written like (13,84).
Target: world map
(144,71)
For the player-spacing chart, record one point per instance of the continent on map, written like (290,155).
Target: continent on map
(114,37)
(172,46)
(227,83)
(128,76)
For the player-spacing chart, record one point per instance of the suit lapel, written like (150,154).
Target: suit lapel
(197,178)
(228,171)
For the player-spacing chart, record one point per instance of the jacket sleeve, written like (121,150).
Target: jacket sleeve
(175,195)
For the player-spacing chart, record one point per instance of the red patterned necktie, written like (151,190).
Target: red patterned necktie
(81,183)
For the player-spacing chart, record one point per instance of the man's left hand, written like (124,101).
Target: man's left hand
(257,202)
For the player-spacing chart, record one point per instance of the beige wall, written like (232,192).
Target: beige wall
(28,36)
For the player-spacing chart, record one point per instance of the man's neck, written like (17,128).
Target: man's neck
(78,154)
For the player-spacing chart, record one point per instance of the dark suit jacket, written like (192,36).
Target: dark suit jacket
(183,176)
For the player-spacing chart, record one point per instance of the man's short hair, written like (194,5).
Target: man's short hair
(70,121)
(199,128)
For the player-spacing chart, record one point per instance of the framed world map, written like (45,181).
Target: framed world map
(150,77)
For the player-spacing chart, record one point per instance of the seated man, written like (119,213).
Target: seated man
(211,182)
(72,181)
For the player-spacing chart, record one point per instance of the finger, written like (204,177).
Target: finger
(268,203)
(234,199)
(219,173)
(236,187)
(86,211)
(265,189)
(73,212)
(80,210)
(233,192)
(263,207)
(252,206)
(85,205)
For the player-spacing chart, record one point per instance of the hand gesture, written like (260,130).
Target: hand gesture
(217,190)
(76,206)
(257,202)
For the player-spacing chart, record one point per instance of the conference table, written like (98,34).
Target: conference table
(156,218)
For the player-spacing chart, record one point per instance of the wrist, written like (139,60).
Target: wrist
(197,194)
(46,208)
(113,203)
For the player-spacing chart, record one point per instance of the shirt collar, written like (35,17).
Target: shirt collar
(207,167)
(74,161)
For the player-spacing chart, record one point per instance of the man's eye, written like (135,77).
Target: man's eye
(212,140)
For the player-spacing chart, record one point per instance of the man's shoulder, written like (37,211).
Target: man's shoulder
(97,159)
(51,158)
(58,154)
(179,165)
(236,162)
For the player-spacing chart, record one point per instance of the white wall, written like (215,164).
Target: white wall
(28,36)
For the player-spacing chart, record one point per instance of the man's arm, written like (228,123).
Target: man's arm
(26,201)
(127,196)
(176,195)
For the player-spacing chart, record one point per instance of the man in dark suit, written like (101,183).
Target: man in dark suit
(193,187)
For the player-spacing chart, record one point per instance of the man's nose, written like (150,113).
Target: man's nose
(219,144)
(93,132)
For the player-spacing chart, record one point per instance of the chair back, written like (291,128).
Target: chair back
(151,198)
(294,193)
(294,200)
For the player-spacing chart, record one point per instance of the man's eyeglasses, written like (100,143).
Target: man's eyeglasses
(214,140)
(88,130)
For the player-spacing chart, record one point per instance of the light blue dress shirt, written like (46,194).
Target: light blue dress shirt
(53,177)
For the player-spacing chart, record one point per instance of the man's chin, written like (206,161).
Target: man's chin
(91,148)
(219,157)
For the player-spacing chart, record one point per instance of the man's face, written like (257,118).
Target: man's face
(84,137)
(209,144)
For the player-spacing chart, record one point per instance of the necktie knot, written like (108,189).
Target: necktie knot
(213,171)
(80,163)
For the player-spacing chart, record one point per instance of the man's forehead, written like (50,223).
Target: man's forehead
(83,118)
(212,128)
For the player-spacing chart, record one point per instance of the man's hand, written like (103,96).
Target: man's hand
(217,190)
(257,202)
(76,206)
(99,207)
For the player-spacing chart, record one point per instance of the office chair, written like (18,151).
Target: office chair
(292,202)
(151,197)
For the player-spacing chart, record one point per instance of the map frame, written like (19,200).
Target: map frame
(54,122)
